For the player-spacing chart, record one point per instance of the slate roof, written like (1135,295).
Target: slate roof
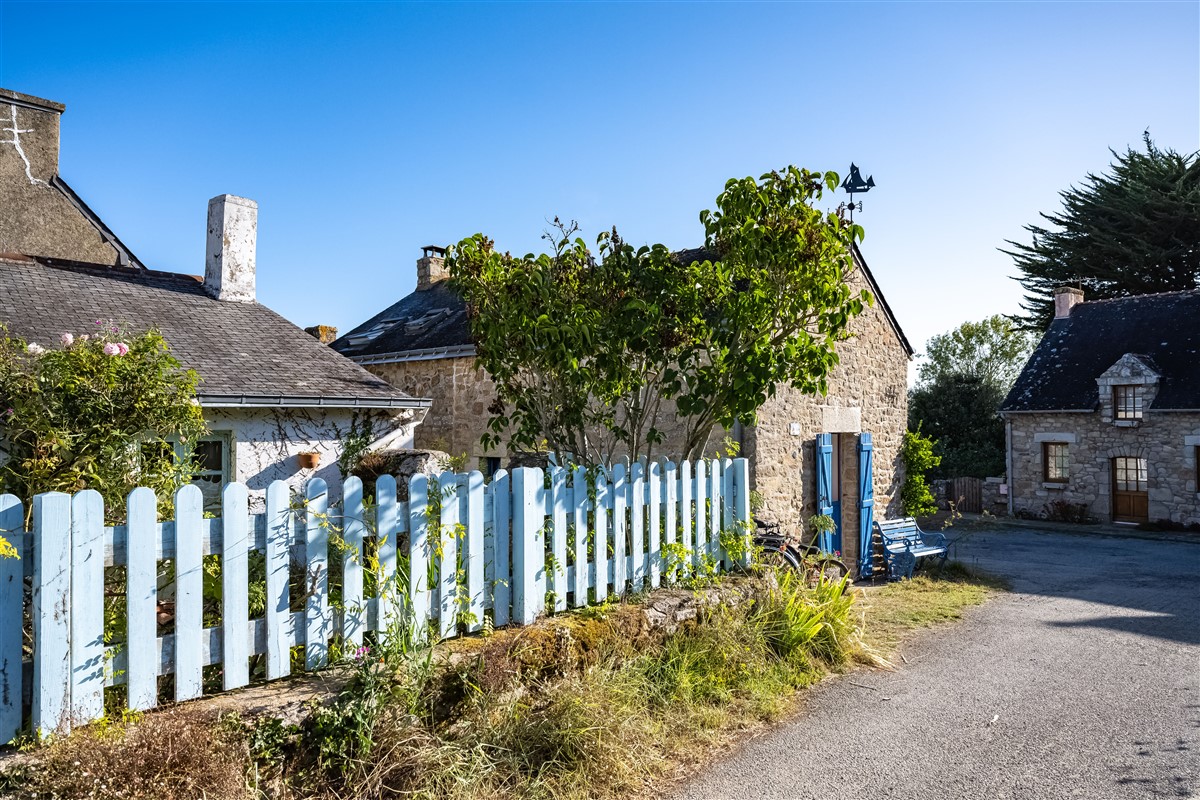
(245,353)
(1163,330)
(432,319)
(433,322)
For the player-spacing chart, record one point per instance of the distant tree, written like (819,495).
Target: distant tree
(1134,230)
(959,413)
(993,350)
(584,348)
(960,387)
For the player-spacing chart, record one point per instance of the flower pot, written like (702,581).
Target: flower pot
(308,460)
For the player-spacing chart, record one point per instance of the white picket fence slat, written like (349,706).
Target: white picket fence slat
(456,551)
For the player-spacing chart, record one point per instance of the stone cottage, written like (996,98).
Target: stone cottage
(1106,414)
(269,390)
(422,345)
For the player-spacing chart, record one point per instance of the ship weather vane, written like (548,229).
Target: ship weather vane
(854,184)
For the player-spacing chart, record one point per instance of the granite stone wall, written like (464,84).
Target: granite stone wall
(461,393)
(868,392)
(1167,440)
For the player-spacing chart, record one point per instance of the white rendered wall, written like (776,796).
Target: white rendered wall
(266,442)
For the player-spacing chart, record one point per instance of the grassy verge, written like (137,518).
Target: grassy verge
(587,705)
(892,611)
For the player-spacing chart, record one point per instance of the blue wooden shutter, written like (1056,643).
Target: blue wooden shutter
(824,452)
(866,503)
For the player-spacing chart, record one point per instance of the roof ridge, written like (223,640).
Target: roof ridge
(90,266)
(1140,296)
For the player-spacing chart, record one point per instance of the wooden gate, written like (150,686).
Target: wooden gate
(966,494)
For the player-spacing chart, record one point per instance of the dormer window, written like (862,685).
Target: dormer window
(1127,402)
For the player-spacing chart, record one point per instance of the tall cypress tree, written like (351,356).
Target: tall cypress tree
(1133,230)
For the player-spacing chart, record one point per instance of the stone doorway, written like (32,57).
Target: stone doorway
(1131,496)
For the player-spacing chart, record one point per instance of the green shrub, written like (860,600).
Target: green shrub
(917,454)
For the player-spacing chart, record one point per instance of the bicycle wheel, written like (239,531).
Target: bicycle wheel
(779,555)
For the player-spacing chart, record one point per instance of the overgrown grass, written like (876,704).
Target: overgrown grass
(587,705)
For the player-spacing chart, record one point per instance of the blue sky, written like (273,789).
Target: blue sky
(366,130)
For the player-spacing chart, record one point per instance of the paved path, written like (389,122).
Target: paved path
(1084,682)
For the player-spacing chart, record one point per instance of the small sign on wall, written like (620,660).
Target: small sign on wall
(794,429)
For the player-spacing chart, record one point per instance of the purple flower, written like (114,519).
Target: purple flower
(124,348)
(112,349)
(67,340)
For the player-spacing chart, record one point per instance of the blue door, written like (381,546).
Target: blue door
(827,542)
(866,504)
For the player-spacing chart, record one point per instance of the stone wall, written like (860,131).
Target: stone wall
(36,217)
(868,392)
(461,393)
(1167,440)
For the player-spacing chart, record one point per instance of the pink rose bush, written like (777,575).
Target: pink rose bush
(107,392)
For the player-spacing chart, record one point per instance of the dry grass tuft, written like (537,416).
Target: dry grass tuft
(176,754)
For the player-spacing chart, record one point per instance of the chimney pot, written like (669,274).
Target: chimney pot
(431,267)
(229,263)
(1065,298)
(325,334)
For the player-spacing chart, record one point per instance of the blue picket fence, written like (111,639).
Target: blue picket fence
(456,553)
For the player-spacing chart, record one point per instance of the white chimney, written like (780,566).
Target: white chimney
(229,262)
(1065,298)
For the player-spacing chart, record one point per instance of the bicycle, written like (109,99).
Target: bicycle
(782,550)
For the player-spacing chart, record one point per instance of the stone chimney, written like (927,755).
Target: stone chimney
(431,267)
(229,263)
(325,334)
(29,137)
(1065,298)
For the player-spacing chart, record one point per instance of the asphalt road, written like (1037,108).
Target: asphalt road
(1084,682)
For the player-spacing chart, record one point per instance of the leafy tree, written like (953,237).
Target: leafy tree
(97,412)
(959,413)
(916,452)
(993,350)
(589,352)
(1134,230)
(960,387)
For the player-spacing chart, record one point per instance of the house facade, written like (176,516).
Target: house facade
(269,390)
(1106,414)
(839,453)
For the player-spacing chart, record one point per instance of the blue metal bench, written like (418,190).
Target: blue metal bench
(904,543)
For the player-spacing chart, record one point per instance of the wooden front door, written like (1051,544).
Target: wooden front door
(1130,499)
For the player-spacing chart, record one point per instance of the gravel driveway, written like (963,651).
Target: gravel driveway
(1084,682)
